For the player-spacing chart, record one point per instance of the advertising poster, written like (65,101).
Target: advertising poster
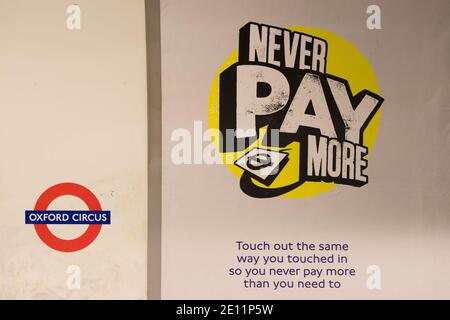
(305,149)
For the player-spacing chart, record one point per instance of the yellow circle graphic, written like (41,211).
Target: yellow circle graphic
(345,61)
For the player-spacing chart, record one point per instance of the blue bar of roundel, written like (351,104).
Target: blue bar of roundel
(66,217)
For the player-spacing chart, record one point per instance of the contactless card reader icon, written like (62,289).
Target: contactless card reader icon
(263,165)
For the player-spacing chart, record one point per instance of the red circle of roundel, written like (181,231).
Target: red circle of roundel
(67,189)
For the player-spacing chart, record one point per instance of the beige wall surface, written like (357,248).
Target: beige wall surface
(73,109)
(399,221)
